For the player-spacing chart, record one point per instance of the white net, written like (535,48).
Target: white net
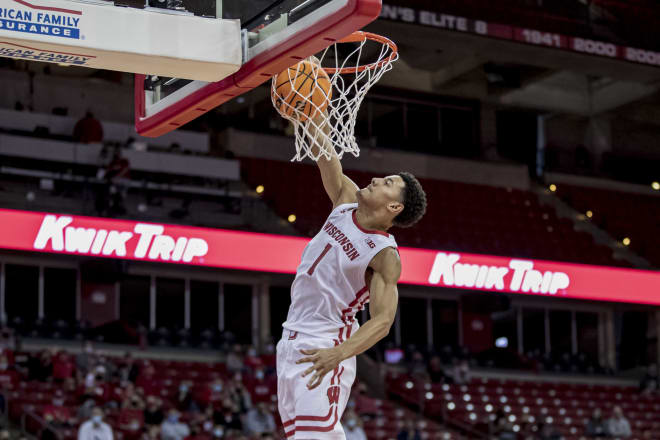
(323,126)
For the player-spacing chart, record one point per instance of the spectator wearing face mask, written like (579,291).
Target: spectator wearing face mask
(260,387)
(259,421)
(353,427)
(172,428)
(618,426)
(239,395)
(60,415)
(95,428)
(184,398)
(213,393)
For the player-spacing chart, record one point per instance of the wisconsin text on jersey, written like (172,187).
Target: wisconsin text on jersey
(342,239)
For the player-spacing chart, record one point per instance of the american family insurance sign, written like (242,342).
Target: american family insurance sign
(100,237)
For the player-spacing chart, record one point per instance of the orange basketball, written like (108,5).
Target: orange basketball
(302,91)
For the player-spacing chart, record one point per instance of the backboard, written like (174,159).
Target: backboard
(275,34)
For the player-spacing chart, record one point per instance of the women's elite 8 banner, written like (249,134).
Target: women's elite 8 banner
(101,237)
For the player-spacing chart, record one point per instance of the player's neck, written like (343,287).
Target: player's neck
(369,222)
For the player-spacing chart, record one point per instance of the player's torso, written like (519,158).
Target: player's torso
(330,288)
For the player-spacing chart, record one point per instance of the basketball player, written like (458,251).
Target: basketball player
(351,261)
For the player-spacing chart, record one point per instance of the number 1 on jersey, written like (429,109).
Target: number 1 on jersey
(320,257)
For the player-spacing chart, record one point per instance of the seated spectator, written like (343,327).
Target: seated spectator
(146,380)
(417,367)
(618,425)
(235,360)
(153,413)
(63,367)
(365,406)
(172,428)
(260,386)
(409,432)
(596,425)
(649,382)
(436,371)
(61,415)
(85,359)
(184,398)
(95,428)
(228,417)
(353,427)
(252,359)
(212,393)
(239,395)
(129,369)
(8,374)
(259,421)
(88,130)
(501,428)
(461,373)
(548,432)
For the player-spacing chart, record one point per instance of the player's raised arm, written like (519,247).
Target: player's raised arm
(339,187)
(383,300)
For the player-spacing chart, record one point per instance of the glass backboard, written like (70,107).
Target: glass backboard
(275,35)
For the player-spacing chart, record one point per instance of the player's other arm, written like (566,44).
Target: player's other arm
(339,187)
(383,300)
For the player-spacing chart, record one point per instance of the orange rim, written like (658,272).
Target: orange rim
(360,36)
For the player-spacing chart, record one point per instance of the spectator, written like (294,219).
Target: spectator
(502,429)
(365,406)
(596,425)
(409,432)
(85,359)
(153,413)
(353,427)
(548,432)
(88,130)
(649,382)
(95,428)
(417,367)
(172,428)
(461,372)
(436,371)
(228,417)
(184,399)
(129,369)
(239,395)
(235,360)
(63,368)
(252,359)
(617,425)
(261,388)
(259,421)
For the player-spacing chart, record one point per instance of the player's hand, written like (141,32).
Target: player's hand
(324,359)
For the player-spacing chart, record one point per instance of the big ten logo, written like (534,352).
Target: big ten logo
(333,394)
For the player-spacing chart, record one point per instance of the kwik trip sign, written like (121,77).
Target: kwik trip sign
(101,237)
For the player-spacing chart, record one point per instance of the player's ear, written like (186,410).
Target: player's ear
(395,207)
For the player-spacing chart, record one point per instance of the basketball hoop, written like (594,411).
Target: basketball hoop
(351,78)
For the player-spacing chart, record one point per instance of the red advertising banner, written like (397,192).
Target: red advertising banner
(520,35)
(101,237)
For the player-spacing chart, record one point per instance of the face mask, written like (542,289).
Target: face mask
(259,374)
(208,425)
(217,387)
(252,352)
(218,433)
(173,419)
(183,388)
(97,419)
(58,402)
(3,366)
(351,423)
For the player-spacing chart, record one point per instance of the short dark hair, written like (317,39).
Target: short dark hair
(413,198)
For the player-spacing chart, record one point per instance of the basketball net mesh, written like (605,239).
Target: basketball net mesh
(333,132)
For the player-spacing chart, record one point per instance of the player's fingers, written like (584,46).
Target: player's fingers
(316,381)
(309,352)
(309,370)
(303,360)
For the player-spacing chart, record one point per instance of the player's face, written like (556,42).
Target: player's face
(384,191)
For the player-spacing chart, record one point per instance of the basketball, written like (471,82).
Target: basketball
(302,91)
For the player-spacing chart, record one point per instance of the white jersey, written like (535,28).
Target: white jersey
(330,288)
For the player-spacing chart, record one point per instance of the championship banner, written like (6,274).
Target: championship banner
(519,35)
(175,244)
